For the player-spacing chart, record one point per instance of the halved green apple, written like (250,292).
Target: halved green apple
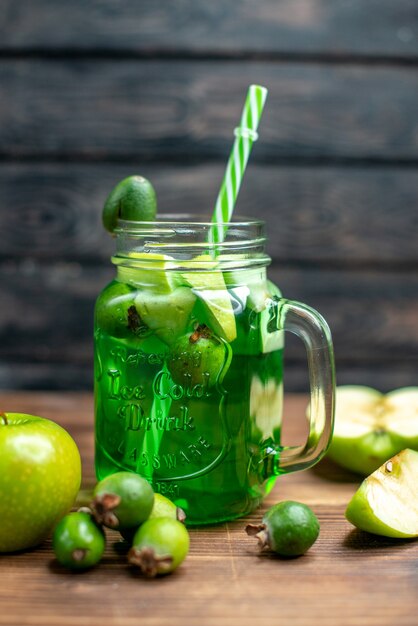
(370,427)
(386,502)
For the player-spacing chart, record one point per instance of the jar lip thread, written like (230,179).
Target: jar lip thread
(185,237)
(168,221)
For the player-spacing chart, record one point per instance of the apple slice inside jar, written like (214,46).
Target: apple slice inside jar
(167,314)
(209,286)
(150,270)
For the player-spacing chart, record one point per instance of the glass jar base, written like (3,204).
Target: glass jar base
(202,507)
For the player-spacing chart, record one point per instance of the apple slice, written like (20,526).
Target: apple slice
(386,502)
(167,314)
(151,271)
(209,286)
(259,331)
(370,427)
(266,407)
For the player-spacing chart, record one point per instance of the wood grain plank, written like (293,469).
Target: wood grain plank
(46,313)
(187,110)
(321,27)
(353,216)
(224,579)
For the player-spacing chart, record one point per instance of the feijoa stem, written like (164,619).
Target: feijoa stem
(260,531)
(79,554)
(102,508)
(201,330)
(3,417)
(149,563)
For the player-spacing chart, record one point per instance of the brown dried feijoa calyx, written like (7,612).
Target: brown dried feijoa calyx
(159,546)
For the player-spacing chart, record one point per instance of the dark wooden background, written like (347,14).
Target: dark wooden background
(92,91)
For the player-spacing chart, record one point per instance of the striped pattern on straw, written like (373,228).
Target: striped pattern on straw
(245,135)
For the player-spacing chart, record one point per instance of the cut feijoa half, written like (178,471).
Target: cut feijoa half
(386,502)
(133,198)
(370,427)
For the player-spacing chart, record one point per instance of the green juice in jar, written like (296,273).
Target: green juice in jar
(198,426)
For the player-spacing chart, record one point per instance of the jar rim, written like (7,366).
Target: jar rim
(186,237)
(167,220)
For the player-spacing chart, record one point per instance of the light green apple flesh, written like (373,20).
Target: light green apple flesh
(370,427)
(167,314)
(386,502)
(208,285)
(149,270)
(162,304)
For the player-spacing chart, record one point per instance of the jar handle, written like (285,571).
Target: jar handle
(314,331)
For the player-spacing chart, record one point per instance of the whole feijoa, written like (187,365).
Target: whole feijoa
(163,507)
(116,313)
(159,546)
(122,500)
(289,528)
(78,541)
(197,358)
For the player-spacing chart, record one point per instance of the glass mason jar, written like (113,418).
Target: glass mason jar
(189,344)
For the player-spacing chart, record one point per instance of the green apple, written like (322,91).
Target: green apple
(370,427)
(386,502)
(40,474)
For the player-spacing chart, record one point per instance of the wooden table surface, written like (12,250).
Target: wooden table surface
(347,578)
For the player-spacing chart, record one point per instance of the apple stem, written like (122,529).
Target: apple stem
(3,416)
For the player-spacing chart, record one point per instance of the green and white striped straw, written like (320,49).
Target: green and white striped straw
(245,135)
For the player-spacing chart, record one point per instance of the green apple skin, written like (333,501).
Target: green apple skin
(363,509)
(360,514)
(40,474)
(365,454)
